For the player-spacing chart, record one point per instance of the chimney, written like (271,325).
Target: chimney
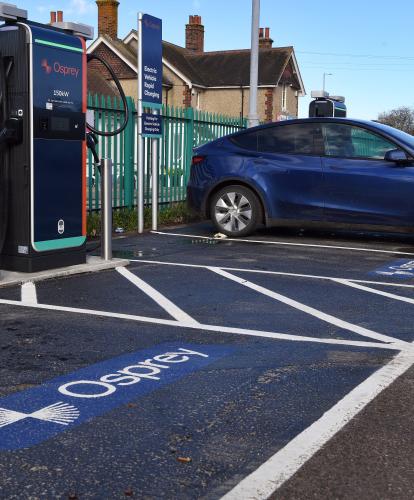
(194,34)
(265,42)
(52,17)
(108,17)
(60,16)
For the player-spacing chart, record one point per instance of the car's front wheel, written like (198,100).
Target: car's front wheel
(235,210)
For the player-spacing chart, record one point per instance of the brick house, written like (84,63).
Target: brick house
(217,82)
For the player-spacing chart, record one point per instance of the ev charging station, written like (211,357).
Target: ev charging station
(325,105)
(43,141)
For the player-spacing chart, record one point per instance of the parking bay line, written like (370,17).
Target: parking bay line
(211,328)
(157,297)
(307,309)
(265,480)
(286,243)
(373,290)
(28,293)
(276,273)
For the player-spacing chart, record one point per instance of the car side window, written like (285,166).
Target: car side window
(300,139)
(246,140)
(347,141)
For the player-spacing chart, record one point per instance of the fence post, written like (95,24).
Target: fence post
(188,141)
(129,148)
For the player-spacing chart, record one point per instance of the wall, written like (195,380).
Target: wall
(175,95)
(222,101)
(293,102)
(130,87)
(121,69)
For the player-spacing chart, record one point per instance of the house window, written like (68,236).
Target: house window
(284,97)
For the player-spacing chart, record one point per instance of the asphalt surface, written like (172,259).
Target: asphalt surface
(371,458)
(204,424)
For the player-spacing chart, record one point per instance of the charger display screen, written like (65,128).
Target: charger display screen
(59,124)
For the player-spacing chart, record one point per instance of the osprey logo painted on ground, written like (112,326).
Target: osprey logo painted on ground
(402,269)
(30,417)
(58,413)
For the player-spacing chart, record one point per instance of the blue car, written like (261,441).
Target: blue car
(347,173)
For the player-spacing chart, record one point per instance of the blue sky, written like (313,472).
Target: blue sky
(364,44)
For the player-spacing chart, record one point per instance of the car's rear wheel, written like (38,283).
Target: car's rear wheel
(235,210)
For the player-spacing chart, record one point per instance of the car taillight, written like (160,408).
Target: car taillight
(197,159)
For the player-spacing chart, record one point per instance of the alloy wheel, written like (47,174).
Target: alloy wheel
(233,211)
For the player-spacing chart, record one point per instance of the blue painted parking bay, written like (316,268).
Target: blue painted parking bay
(181,375)
(92,391)
(227,415)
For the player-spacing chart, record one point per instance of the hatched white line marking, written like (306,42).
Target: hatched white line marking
(276,273)
(210,328)
(28,293)
(285,243)
(155,295)
(308,310)
(373,290)
(265,480)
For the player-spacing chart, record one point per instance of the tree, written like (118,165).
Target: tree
(401,118)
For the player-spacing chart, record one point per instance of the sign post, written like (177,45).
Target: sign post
(149,98)
(254,65)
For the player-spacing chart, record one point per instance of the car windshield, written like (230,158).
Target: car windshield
(398,134)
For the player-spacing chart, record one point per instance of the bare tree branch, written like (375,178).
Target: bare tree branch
(401,118)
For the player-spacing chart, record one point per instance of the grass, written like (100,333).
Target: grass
(127,219)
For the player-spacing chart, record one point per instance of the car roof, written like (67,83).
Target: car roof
(390,133)
(374,126)
(352,121)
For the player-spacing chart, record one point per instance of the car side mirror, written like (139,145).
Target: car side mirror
(397,156)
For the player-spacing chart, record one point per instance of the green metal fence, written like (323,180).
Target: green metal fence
(183,129)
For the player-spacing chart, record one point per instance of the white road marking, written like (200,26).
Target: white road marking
(155,295)
(307,309)
(210,328)
(282,465)
(373,290)
(58,413)
(285,243)
(265,480)
(28,293)
(276,273)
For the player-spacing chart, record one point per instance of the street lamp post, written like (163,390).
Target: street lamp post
(324,77)
(254,65)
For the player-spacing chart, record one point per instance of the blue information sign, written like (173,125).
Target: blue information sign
(151,125)
(151,70)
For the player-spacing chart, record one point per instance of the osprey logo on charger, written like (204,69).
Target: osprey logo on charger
(32,416)
(59,68)
(46,67)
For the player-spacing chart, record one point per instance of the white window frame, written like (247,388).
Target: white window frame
(284,97)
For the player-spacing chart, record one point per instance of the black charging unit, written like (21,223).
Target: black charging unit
(43,141)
